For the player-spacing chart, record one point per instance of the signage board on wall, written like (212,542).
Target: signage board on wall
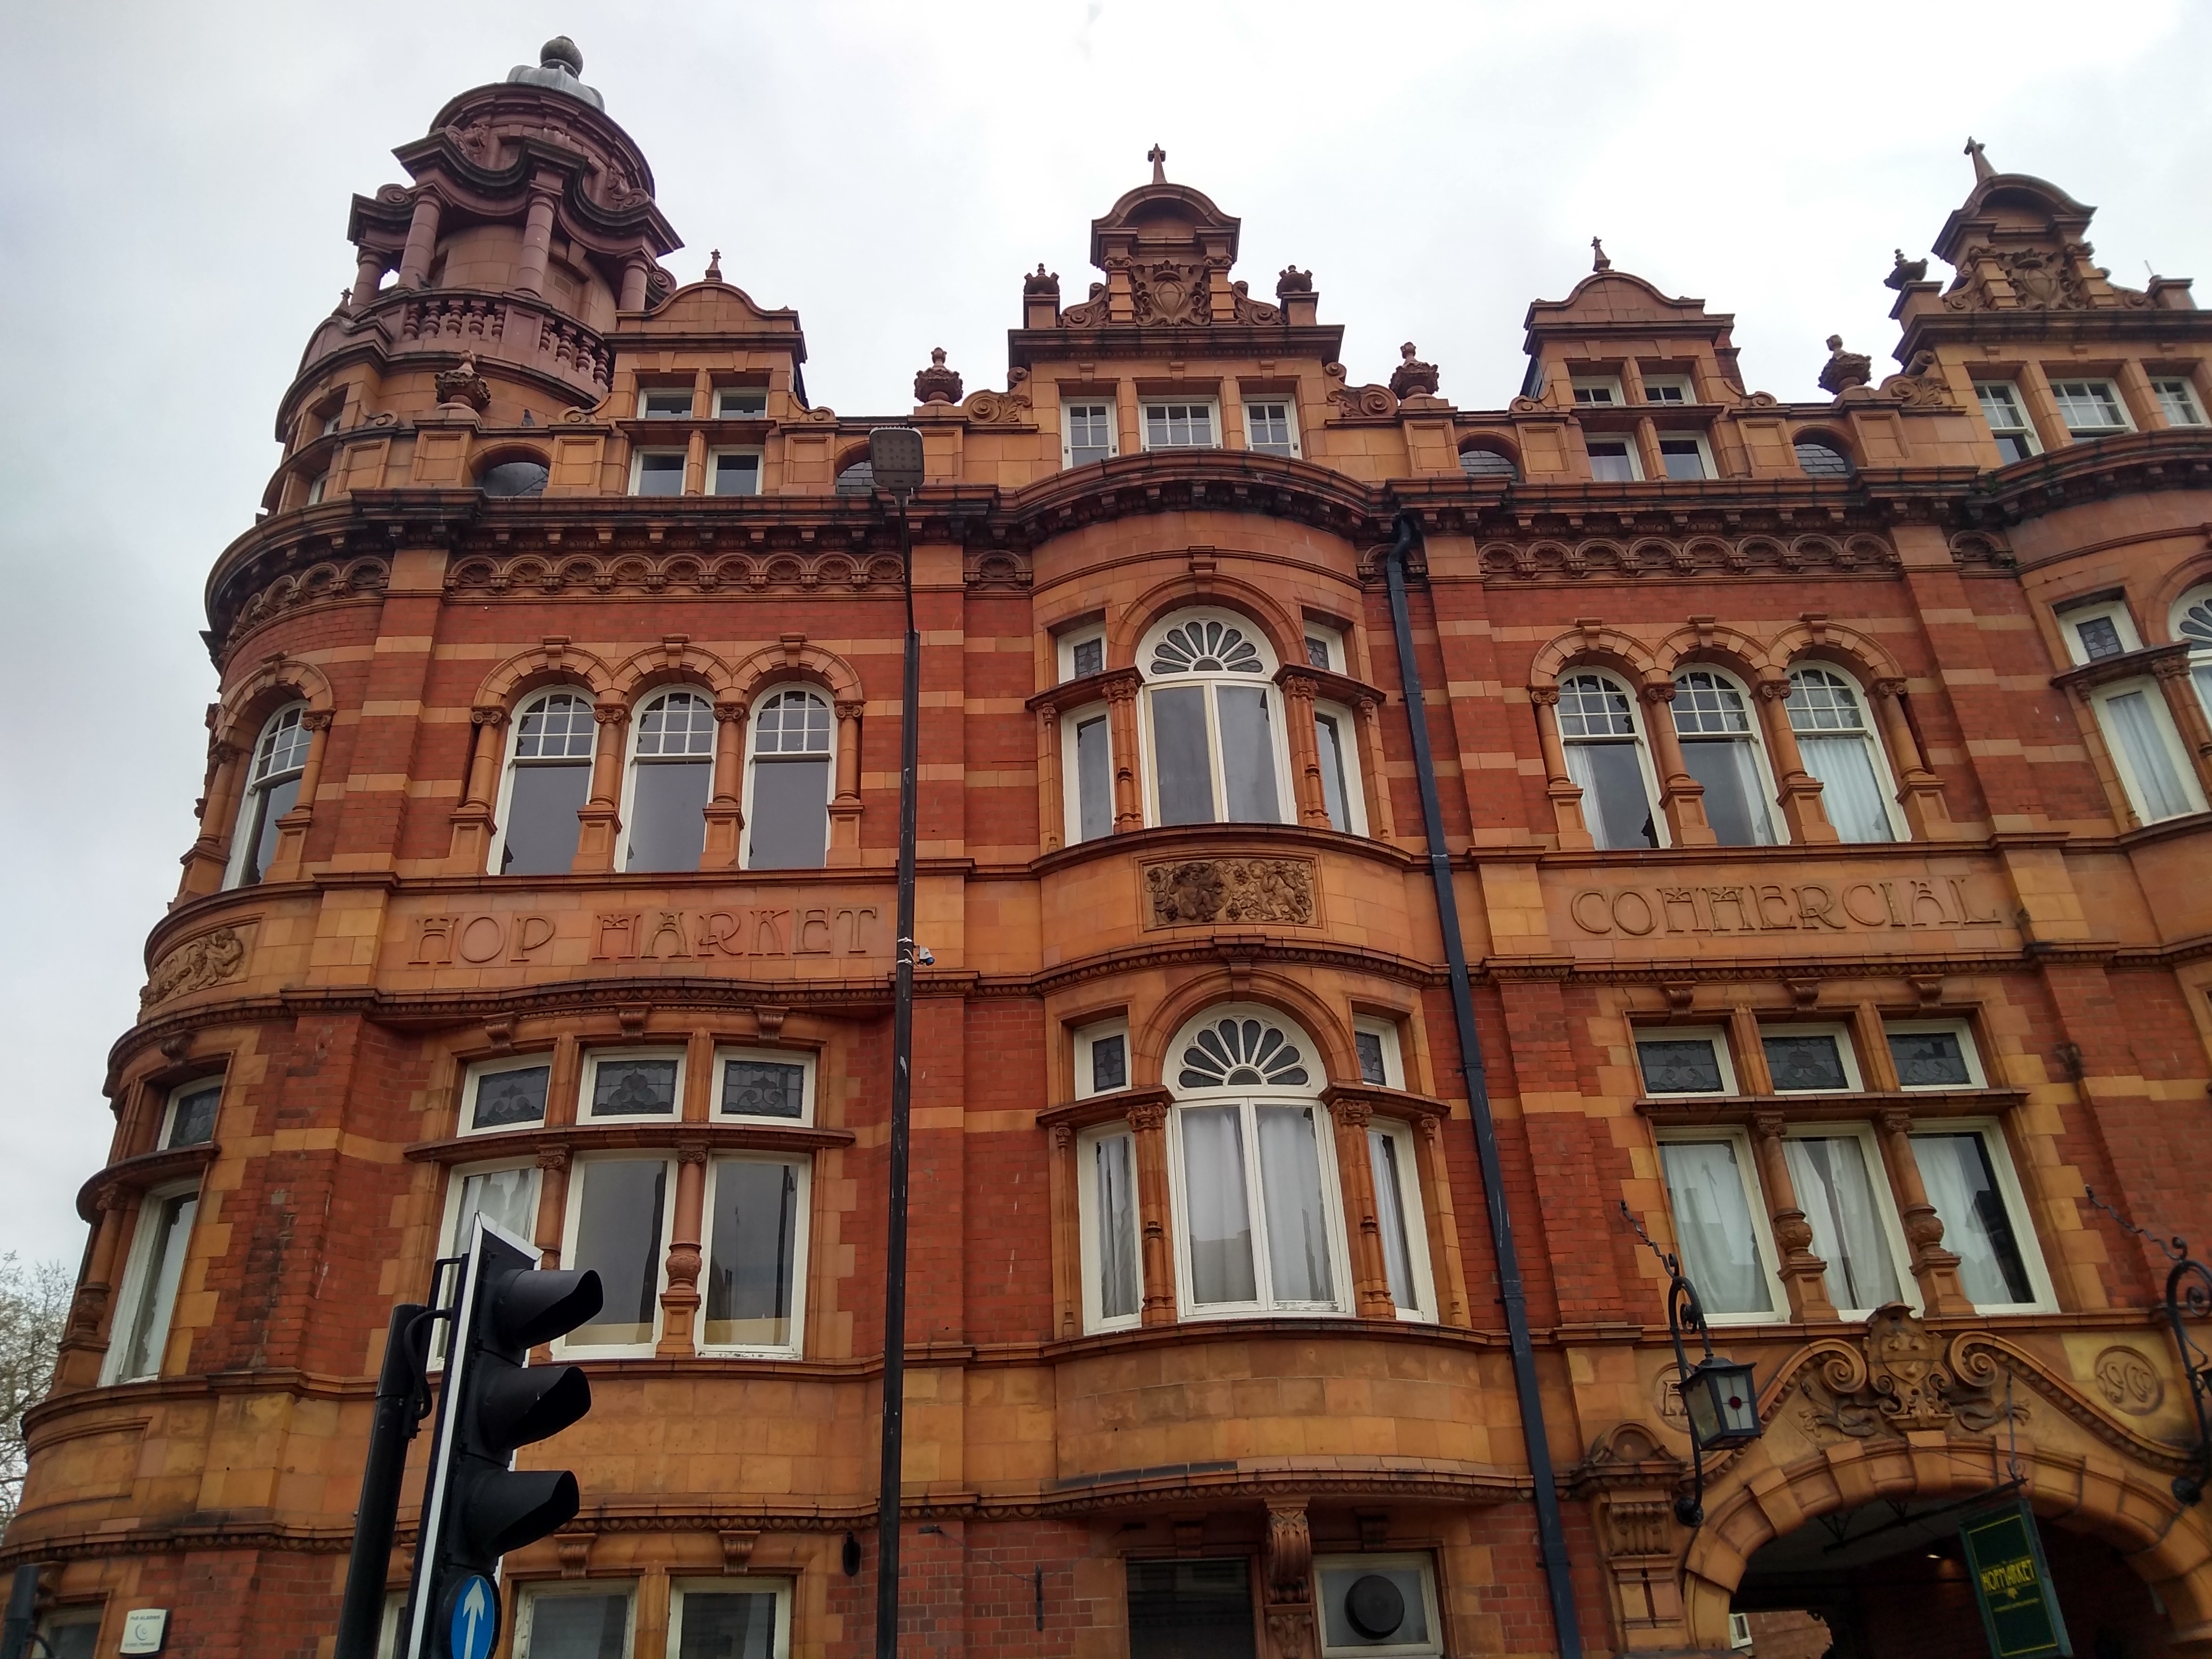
(2011,1585)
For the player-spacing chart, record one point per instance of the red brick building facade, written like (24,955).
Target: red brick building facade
(1822,791)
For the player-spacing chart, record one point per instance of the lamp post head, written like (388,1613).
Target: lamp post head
(896,452)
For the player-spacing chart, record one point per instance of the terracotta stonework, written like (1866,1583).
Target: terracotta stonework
(1778,734)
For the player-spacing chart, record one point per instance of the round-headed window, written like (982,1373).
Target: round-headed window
(517,478)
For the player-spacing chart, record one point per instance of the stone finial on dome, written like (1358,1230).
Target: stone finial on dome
(714,265)
(1982,168)
(937,384)
(1041,282)
(1598,261)
(559,69)
(563,51)
(1412,375)
(1843,368)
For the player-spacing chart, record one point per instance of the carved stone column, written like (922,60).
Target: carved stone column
(469,852)
(1374,771)
(636,270)
(552,1204)
(82,1347)
(537,243)
(1121,714)
(367,275)
(1444,1259)
(601,816)
(1067,1232)
(1559,784)
(1919,791)
(1052,802)
(845,806)
(1355,1170)
(1312,801)
(1148,1124)
(679,1303)
(1681,797)
(1288,1563)
(421,241)
(2174,679)
(1804,1275)
(292,828)
(208,856)
(1797,792)
(1935,1268)
(725,818)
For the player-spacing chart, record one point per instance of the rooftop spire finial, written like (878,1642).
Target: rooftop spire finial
(714,264)
(1598,261)
(1982,168)
(1158,158)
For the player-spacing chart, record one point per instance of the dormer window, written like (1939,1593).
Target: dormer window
(665,403)
(1179,426)
(1598,393)
(2090,409)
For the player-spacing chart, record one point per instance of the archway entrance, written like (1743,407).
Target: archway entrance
(1889,1580)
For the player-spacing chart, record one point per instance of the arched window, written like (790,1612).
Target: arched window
(522,476)
(1820,458)
(671,768)
(1259,1226)
(858,479)
(1477,462)
(1215,721)
(272,789)
(549,779)
(787,782)
(1720,747)
(1828,712)
(2192,620)
(1606,756)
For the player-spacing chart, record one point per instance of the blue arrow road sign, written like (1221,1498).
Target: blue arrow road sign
(475,1624)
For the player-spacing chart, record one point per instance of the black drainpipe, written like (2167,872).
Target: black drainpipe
(1551,1538)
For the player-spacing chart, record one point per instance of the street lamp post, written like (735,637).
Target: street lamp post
(896,454)
(1719,1396)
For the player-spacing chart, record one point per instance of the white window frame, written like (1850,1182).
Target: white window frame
(714,469)
(449,1219)
(1739,1630)
(1754,1199)
(1330,638)
(1854,1079)
(1705,452)
(1609,384)
(508,762)
(632,760)
(1715,1035)
(1288,405)
(637,460)
(1347,750)
(780,1648)
(1755,735)
(218,1081)
(2007,392)
(1963,1030)
(1071,777)
(801,1253)
(1421,1562)
(1067,435)
(1884,779)
(2017,1211)
(1247,1099)
(123,1331)
(1629,447)
(1064,649)
(618,1055)
(806,1060)
(318,487)
(247,828)
(2177,754)
(1885,1204)
(2090,389)
(1653,384)
(646,394)
(725,395)
(531,1595)
(471,1079)
(1277,715)
(829,779)
(2178,405)
(1210,404)
(61,1618)
(2200,647)
(1080,1040)
(1639,739)
(1089,1222)
(572,1219)
(1385,1031)
(2071,617)
(1406,1143)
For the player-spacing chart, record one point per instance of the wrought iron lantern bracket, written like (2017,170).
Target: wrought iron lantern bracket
(2188,1297)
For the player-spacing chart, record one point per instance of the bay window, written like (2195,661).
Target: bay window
(272,789)
(1106,1197)
(1392,1163)
(632,1083)
(1836,1175)
(548,779)
(1336,743)
(188,1118)
(1721,750)
(149,1298)
(729,1619)
(671,768)
(1215,719)
(769,1085)
(573,1621)
(1086,771)
(1970,1181)
(1680,1060)
(2145,750)
(504,1095)
(1720,1225)
(756,1225)
(1607,760)
(788,781)
(1827,713)
(1935,1054)
(618,1227)
(1810,1058)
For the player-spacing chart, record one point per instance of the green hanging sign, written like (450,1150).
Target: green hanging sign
(2011,1585)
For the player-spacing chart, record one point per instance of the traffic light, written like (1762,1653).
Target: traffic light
(494,1400)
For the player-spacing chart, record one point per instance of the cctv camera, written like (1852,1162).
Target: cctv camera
(922,955)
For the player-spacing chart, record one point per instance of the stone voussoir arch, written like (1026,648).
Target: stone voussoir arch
(1863,656)
(1594,646)
(671,663)
(1713,642)
(1214,592)
(1331,1034)
(552,663)
(792,658)
(277,680)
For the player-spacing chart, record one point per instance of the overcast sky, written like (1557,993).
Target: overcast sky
(172,214)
